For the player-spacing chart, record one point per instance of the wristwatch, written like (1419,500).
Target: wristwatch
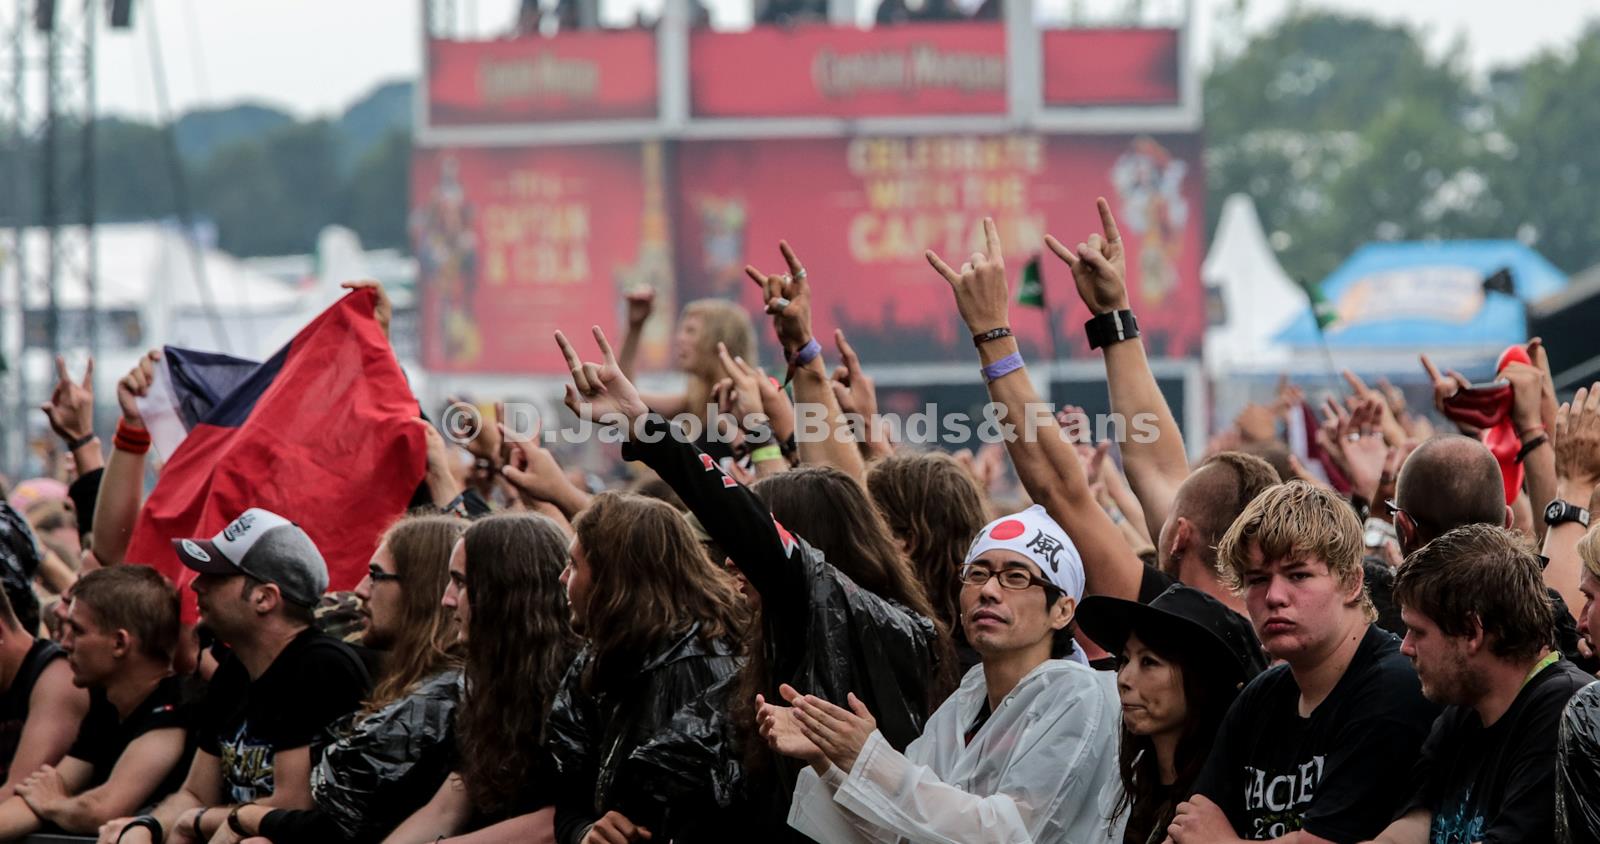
(1111,327)
(1560,512)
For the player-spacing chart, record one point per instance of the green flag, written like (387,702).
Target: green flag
(1031,291)
(1325,311)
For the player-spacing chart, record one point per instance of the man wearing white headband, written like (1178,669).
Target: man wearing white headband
(1017,753)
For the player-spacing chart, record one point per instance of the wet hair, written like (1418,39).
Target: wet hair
(1296,520)
(832,513)
(425,641)
(932,505)
(519,644)
(650,582)
(1481,575)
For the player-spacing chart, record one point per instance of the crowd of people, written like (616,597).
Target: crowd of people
(1388,637)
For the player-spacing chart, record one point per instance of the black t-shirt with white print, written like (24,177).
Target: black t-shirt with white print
(1339,774)
(315,681)
(1497,784)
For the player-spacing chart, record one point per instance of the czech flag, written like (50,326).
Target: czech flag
(323,433)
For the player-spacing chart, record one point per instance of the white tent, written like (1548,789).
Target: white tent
(1257,297)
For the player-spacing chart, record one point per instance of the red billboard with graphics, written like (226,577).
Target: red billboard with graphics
(515,243)
(825,71)
(1111,67)
(860,211)
(577,76)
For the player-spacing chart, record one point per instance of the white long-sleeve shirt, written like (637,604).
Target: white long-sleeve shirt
(1030,776)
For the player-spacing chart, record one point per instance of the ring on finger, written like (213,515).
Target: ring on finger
(800,274)
(1353,436)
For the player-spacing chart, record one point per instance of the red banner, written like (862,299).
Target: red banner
(515,243)
(820,70)
(1110,67)
(859,213)
(576,76)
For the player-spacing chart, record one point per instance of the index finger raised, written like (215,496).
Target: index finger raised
(944,269)
(1433,371)
(571,354)
(851,362)
(1355,382)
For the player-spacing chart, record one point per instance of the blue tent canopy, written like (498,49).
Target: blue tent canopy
(1411,295)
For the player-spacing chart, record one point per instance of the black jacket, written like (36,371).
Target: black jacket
(824,634)
(641,750)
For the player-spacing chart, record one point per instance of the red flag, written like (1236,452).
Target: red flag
(323,433)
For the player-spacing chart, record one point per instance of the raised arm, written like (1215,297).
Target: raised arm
(71,414)
(122,487)
(733,515)
(1533,410)
(857,394)
(821,430)
(1156,467)
(744,393)
(1577,465)
(1046,463)
(641,303)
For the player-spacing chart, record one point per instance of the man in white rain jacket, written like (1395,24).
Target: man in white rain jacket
(1017,754)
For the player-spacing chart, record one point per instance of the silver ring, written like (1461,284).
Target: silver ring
(1353,437)
(777,306)
(800,275)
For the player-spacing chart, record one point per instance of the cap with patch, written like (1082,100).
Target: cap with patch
(265,546)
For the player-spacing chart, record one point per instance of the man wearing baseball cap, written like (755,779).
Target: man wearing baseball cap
(280,686)
(1018,752)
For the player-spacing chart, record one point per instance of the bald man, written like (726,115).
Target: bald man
(1451,481)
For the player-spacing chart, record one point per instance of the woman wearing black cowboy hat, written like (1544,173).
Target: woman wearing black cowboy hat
(1183,658)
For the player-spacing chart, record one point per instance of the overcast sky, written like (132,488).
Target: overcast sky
(315,57)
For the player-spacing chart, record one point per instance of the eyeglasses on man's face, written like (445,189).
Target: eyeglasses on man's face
(378,575)
(1013,579)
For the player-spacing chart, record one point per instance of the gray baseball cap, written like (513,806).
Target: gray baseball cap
(265,546)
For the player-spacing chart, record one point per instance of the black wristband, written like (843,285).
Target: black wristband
(148,822)
(74,445)
(991,334)
(1111,327)
(1530,445)
(233,821)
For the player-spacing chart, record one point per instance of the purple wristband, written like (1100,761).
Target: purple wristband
(807,353)
(1004,366)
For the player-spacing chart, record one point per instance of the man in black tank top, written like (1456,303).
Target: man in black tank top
(40,709)
(119,634)
(276,691)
